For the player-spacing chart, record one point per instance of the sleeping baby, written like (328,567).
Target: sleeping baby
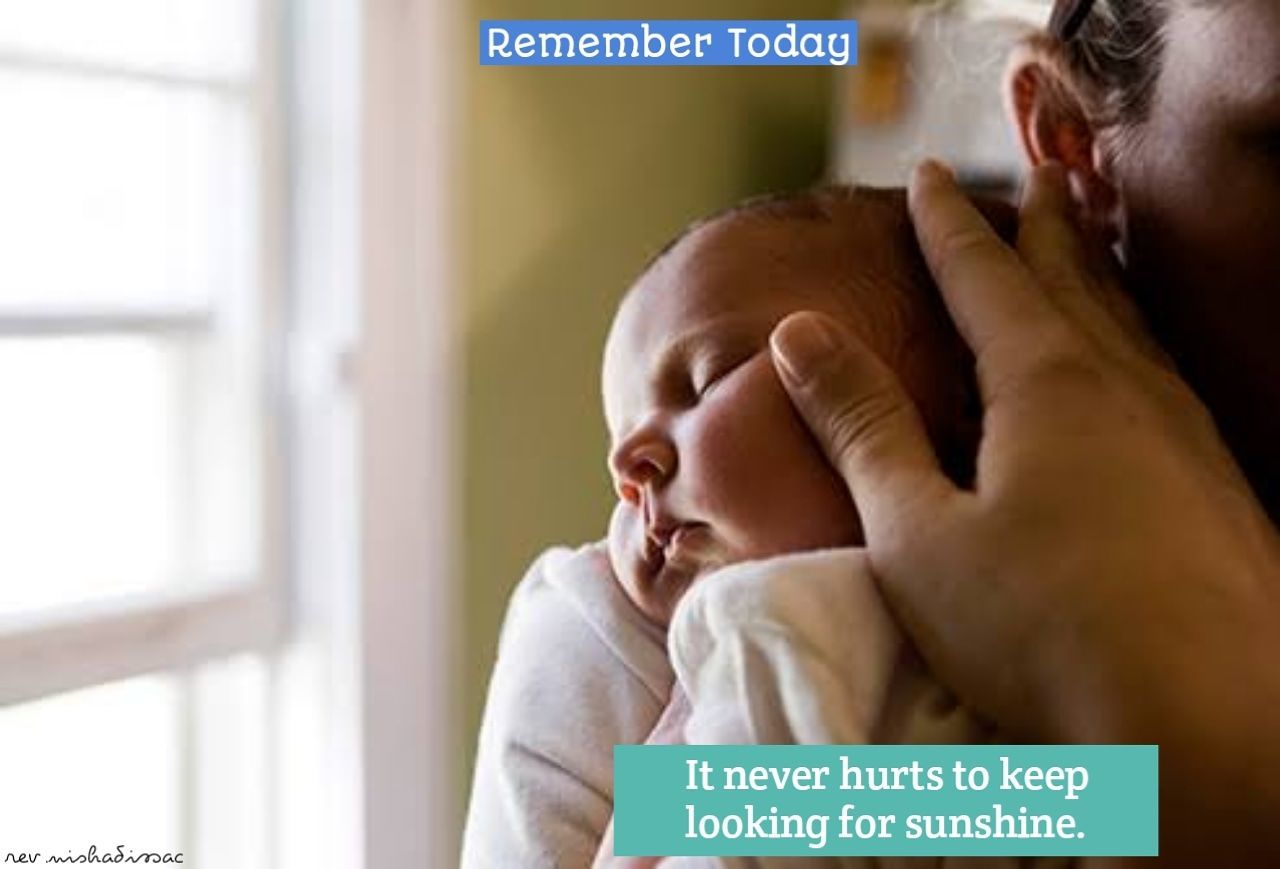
(732,568)
(711,463)
(731,529)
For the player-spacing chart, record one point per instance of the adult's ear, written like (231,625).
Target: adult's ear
(1051,114)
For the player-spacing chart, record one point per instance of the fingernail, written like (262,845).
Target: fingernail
(801,343)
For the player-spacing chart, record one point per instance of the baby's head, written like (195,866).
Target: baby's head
(710,460)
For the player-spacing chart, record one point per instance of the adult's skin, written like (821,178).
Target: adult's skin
(1171,137)
(1110,577)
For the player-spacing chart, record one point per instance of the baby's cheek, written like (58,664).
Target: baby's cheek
(754,424)
(765,480)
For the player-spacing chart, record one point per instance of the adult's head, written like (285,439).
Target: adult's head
(1167,114)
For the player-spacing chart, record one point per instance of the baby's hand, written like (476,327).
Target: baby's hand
(668,731)
(670,727)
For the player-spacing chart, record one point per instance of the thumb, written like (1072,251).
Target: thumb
(857,409)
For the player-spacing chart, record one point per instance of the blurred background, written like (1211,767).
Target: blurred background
(301,313)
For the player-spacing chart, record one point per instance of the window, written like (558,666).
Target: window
(225,609)
(142,304)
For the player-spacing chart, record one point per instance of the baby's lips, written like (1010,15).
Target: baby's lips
(689,545)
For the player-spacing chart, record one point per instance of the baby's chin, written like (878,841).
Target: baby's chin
(657,583)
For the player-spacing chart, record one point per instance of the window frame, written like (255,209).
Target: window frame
(408,370)
(366,649)
(86,643)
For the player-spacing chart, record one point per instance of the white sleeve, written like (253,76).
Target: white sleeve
(802,649)
(578,671)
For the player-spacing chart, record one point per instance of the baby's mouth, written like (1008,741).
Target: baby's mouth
(682,546)
(684,543)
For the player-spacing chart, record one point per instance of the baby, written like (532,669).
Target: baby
(714,467)
(711,463)
(715,472)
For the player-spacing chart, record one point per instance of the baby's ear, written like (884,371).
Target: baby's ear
(1050,111)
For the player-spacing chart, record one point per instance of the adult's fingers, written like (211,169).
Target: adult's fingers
(1049,240)
(1053,247)
(994,299)
(1109,292)
(859,412)
(1076,268)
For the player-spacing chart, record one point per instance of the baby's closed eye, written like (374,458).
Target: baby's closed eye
(711,370)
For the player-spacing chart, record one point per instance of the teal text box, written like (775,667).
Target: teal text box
(886,800)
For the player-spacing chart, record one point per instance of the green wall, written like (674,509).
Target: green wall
(574,177)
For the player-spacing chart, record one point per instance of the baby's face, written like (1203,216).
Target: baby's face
(711,462)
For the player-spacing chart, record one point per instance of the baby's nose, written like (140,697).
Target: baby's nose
(641,461)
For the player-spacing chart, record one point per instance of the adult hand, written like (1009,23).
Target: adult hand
(1109,577)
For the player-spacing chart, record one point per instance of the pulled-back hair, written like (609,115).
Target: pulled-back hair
(1115,58)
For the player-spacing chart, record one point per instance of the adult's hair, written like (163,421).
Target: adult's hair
(1113,58)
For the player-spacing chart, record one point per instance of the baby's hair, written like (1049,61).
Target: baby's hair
(812,203)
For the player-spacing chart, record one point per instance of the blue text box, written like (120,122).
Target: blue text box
(668,43)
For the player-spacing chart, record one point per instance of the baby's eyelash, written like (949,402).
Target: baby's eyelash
(708,375)
(704,382)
